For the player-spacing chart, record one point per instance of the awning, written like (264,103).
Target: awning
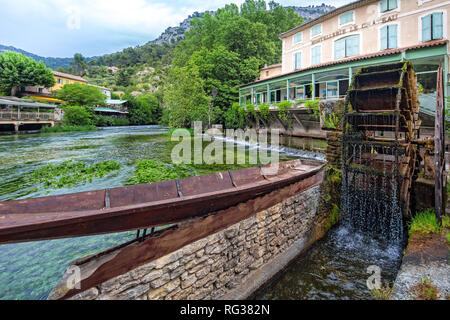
(108,110)
(5,102)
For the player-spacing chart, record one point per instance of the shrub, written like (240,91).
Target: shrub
(264,110)
(313,106)
(282,110)
(78,116)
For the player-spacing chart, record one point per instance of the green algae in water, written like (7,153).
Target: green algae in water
(70,173)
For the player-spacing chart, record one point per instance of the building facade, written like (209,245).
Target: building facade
(320,56)
(64,78)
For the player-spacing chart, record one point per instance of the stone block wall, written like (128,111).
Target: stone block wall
(213,267)
(334,148)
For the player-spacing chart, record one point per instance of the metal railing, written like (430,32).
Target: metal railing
(23,116)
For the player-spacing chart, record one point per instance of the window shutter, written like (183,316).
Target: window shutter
(352,45)
(384,38)
(339,49)
(426,28)
(392,4)
(437,26)
(346,18)
(384,5)
(298,60)
(315,59)
(393,36)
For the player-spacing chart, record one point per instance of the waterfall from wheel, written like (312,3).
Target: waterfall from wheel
(380,157)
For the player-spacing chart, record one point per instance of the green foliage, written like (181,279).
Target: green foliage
(426,223)
(79,64)
(17,70)
(186,98)
(145,110)
(103,121)
(313,107)
(264,110)
(78,116)
(333,218)
(80,94)
(384,293)
(235,117)
(148,171)
(282,111)
(331,121)
(425,290)
(69,173)
(223,51)
(68,129)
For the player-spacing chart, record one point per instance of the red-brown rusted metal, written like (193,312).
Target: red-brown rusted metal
(141,206)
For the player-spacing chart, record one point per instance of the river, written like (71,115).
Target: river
(334,268)
(31,270)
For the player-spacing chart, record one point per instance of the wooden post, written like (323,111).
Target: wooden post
(439,146)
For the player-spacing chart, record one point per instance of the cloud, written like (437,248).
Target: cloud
(95,27)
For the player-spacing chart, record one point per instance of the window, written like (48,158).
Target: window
(432,27)
(316,53)
(298,37)
(60,81)
(300,92)
(332,89)
(388,5)
(346,47)
(297,60)
(67,81)
(346,18)
(316,30)
(389,37)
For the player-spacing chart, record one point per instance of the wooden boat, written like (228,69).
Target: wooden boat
(142,206)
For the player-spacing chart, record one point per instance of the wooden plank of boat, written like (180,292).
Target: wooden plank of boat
(141,206)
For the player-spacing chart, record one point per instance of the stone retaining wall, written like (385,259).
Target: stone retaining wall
(213,267)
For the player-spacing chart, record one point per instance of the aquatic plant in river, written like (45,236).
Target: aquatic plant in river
(70,173)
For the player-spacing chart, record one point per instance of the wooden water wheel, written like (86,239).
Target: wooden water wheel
(382,119)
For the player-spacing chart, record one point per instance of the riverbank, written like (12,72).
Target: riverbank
(68,129)
(424,273)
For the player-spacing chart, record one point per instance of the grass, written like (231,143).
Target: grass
(426,223)
(384,293)
(68,129)
(425,290)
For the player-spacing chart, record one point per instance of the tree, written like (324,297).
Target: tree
(79,64)
(185,98)
(225,50)
(123,78)
(80,94)
(17,70)
(78,116)
(146,110)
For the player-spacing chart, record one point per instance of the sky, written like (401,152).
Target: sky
(61,28)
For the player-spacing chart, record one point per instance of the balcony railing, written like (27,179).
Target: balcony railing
(23,116)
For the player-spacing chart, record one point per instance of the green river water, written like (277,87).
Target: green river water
(31,270)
